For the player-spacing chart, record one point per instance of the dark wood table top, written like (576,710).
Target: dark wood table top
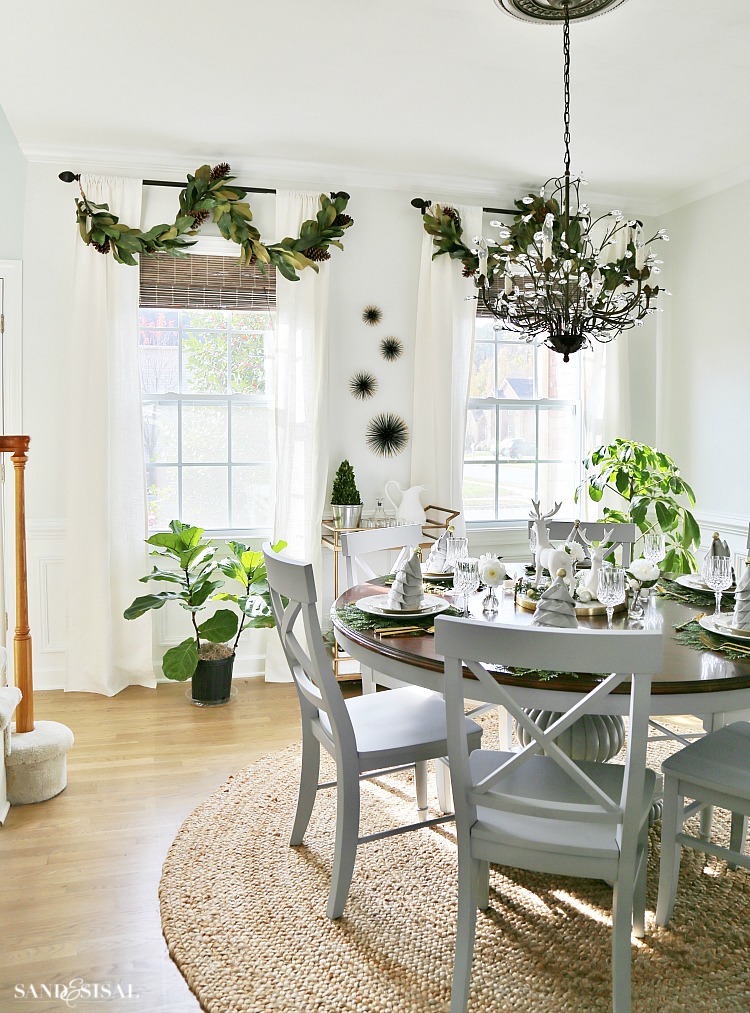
(684,671)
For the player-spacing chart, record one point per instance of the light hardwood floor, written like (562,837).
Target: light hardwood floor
(80,873)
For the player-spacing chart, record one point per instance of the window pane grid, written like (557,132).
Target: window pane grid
(228,361)
(535,413)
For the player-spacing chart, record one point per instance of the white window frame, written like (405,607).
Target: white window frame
(535,404)
(216,246)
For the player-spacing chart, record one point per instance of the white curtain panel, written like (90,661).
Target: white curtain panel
(301,389)
(605,396)
(446,315)
(106,496)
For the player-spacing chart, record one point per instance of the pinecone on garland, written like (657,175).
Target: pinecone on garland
(220,171)
(317,254)
(341,221)
(452,213)
(556,607)
(741,617)
(199,217)
(104,247)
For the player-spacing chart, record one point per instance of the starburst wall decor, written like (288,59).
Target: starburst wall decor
(387,434)
(363,385)
(391,348)
(372,315)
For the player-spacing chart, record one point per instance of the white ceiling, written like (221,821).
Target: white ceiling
(413,89)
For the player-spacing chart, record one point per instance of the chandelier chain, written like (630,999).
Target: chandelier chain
(566,81)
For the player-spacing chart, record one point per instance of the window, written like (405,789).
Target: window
(206,340)
(523,431)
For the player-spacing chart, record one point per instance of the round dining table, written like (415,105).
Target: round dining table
(704,683)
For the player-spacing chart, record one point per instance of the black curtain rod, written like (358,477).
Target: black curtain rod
(421,205)
(73,177)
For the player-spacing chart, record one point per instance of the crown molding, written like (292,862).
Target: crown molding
(707,188)
(315,175)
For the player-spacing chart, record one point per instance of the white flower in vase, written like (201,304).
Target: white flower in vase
(643,573)
(491,570)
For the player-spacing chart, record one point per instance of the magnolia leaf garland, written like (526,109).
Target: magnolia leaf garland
(519,242)
(209,195)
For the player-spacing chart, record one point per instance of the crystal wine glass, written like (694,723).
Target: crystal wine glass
(718,575)
(653,546)
(458,548)
(611,590)
(466,579)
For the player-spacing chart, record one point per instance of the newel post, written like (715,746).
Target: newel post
(18,447)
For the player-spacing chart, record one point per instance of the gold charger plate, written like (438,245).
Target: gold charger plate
(595,609)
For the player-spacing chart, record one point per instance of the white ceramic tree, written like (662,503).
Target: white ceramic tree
(556,606)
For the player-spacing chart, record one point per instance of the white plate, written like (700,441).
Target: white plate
(445,575)
(724,623)
(696,583)
(711,624)
(374,605)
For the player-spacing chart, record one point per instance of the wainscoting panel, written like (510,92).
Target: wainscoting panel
(45,550)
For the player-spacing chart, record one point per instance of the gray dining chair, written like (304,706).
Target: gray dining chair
(537,809)
(368,736)
(356,546)
(621,534)
(713,771)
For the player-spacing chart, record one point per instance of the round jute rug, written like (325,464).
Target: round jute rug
(244,917)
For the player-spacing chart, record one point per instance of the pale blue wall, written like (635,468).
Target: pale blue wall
(12,193)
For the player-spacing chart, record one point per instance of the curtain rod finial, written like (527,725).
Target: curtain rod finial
(68,176)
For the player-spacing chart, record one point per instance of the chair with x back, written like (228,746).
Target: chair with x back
(714,771)
(536,809)
(355,546)
(367,736)
(621,533)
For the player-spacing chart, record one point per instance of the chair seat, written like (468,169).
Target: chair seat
(719,762)
(541,778)
(408,721)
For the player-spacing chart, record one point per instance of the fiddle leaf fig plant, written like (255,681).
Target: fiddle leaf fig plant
(254,602)
(191,571)
(653,493)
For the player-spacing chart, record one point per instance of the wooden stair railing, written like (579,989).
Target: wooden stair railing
(18,446)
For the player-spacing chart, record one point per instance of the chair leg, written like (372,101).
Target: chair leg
(505,728)
(308,786)
(622,921)
(483,886)
(639,894)
(347,833)
(443,785)
(468,881)
(669,865)
(737,835)
(420,783)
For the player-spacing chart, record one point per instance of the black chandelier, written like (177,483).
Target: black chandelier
(557,275)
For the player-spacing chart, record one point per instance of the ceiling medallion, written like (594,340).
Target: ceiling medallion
(552,11)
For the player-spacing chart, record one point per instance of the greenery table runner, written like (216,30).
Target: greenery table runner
(697,639)
(355,619)
(673,591)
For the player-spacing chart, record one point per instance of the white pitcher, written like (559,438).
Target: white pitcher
(409,509)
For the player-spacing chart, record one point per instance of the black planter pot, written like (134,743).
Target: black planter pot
(212,682)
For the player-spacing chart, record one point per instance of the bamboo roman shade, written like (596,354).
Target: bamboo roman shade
(205,282)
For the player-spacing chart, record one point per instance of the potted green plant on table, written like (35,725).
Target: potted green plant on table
(651,488)
(191,570)
(346,501)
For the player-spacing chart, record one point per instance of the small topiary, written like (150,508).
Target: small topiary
(345,491)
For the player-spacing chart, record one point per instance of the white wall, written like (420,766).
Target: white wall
(12,186)
(704,359)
